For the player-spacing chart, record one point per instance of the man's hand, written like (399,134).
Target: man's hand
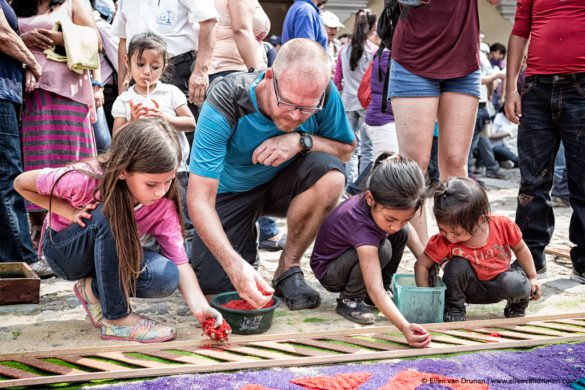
(513,107)
(277,150)
(247,281)
(198,83)
(38,38)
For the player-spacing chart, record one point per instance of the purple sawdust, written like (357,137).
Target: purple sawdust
(559,364)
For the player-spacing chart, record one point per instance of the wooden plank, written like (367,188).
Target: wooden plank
(470,335)
(93,363)
(261,353)
(12,372)
(304,361)
(131,347)
(576,322)
(176,357)
(364,343)
(330,346)
(564,252)
(404,344)
(218,354)
(121,357)
(288,348)
(538,331)
(559,327)
(49,367)
(508,334)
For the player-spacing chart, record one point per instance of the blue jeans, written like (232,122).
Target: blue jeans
(404,83)
(103,138)
(560,186)
(363,153)
(553,111)
(76,252)
(268,228)
(485,154)
(16,245)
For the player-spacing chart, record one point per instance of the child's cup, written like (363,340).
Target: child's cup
(145,101)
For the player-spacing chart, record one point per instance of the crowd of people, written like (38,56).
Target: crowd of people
(163,165)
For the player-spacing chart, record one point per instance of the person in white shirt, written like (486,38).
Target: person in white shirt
(187,26)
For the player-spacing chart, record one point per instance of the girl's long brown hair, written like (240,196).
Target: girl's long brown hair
(142,146)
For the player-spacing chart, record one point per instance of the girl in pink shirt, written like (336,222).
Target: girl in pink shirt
(98,212)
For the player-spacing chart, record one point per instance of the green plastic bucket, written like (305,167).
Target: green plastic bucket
(422,305)
(244,321)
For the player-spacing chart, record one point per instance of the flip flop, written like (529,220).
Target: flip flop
(93,310)
(294,290)
(272,245)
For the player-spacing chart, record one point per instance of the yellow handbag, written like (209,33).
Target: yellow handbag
(81,47)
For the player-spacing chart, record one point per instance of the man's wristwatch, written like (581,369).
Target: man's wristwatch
(306,142)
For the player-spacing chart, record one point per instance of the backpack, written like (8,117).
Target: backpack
(364,91)
(386,25)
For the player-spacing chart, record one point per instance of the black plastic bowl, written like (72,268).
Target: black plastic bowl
(244,321)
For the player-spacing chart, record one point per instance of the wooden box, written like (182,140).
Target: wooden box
(18,284)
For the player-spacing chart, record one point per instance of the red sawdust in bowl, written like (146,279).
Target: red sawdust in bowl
(243,317)
(240,304)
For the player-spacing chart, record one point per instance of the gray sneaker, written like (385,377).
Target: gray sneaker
(579,278)
(42,268)
(355,310)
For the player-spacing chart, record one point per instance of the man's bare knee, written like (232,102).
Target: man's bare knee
(329,187)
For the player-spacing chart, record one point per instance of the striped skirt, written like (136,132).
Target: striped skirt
(55,131)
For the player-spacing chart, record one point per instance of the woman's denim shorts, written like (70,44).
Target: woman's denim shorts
(404,83)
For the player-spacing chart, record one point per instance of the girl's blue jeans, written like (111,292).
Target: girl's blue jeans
(77,252)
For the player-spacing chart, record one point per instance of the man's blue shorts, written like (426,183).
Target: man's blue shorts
(404,83)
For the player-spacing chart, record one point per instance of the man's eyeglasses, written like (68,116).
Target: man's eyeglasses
(292,107)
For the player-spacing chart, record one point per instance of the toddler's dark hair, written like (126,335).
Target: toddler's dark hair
(147,41)
(397,182)
(460,201)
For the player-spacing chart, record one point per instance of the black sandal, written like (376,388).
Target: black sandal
(294,290)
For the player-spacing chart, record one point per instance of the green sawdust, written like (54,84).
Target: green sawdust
(314,320)
(63,363)
(186,353)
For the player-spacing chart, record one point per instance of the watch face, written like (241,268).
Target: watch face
(307,141)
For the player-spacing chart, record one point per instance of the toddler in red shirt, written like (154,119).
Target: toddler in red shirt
(478,247)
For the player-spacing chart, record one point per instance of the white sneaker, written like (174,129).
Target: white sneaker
(42,268)
(578,278)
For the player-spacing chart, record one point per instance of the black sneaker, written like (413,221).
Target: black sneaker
(515,310)
(454,315)
(355,310)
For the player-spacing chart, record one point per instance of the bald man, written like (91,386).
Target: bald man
(267,143)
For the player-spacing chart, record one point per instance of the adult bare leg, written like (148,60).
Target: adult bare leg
(305,216)
(415,122)
(456,117)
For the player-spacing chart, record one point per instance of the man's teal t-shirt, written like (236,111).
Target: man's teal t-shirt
(231,126)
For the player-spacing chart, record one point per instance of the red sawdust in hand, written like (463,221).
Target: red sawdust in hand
(242,305)
(218,334)
(262,291)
